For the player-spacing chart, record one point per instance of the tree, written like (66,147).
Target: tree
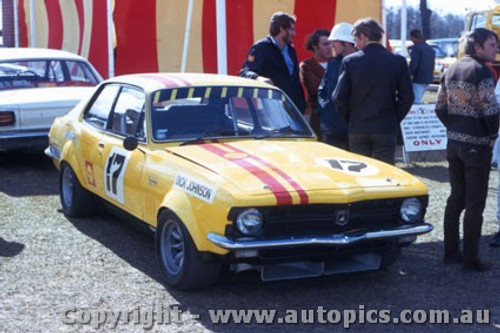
(440,26)
(425,14)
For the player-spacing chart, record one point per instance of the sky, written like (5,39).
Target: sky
(443,7)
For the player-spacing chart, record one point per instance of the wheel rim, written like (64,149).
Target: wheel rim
(172,247)
(67,187)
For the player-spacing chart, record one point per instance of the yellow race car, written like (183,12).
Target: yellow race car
(227,173)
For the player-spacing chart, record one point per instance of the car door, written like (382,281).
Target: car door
(111,171)
(92,137)
(123,170)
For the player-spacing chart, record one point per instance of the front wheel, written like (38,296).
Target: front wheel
(75,200)
(178,259)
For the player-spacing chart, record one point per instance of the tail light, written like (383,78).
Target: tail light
(7,118)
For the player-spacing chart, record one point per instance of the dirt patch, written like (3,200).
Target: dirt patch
(53,269)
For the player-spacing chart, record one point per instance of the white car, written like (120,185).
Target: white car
(36,86)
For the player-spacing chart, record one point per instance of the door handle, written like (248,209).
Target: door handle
(100,145)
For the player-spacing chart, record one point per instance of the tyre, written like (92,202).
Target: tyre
(179,261)
(75,200)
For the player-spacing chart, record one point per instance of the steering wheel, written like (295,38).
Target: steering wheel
(29,72)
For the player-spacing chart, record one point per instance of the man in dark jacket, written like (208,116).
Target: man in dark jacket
(422,58)
(273,59)
(333,126)
(468,109)
(373,94)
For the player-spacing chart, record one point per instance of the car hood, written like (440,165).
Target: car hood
(56,96)
(258,167)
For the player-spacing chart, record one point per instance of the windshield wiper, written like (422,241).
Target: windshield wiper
(283,130)
(206,136)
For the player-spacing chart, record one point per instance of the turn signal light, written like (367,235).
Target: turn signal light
(7,118)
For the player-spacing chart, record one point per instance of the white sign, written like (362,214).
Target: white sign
(422,129)
(195,187)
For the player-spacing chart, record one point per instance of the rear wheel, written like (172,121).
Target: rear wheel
(75,200)
(178,259)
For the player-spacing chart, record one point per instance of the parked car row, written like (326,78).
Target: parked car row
(443,59)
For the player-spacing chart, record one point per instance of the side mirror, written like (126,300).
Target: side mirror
(130,143)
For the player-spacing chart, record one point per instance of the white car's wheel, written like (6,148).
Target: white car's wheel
(75,200)
(178,259)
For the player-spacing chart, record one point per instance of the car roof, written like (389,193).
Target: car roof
(156,81)
(22,53)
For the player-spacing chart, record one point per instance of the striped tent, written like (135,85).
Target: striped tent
(150,34)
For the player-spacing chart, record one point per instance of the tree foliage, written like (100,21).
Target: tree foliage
(440,26)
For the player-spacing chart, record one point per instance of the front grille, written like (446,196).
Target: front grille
(314,219)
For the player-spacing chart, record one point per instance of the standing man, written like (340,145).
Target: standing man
(333,126)
(373,94)
(422,58)
(312,71)
(468,109)
(273,59)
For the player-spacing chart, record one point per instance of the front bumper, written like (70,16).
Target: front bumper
(332,240)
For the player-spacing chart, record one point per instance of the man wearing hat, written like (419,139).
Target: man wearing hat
(373,93)
(333,126)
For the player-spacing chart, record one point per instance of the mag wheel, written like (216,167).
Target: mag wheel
(75,200)
(178,259)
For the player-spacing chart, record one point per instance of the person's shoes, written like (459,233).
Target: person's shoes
(495,241)
(477,266)
(456,259)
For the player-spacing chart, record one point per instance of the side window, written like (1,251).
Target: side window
(80,72)
(495,20)
(478,21)
(98,113)
(127,118)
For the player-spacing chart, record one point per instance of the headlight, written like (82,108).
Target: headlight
(411,210)
(249,222)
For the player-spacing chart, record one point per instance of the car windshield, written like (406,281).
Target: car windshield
(185,114)
(45,73)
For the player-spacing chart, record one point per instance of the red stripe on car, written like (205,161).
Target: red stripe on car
(168,83)
(278,190)
(304,199)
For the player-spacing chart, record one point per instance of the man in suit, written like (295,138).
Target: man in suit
(273,59)
(374,93)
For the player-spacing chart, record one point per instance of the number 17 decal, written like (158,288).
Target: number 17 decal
(114,172)
(350,167)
